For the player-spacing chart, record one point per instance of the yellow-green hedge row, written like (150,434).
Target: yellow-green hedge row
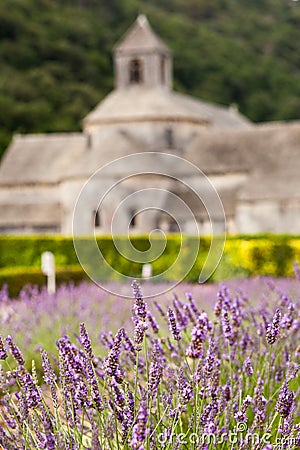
(20,258)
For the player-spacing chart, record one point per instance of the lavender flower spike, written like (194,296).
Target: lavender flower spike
(111,361)
(139,333)
(15,351)
(285,401)
(49,377)
(273,329)
(173,325)
(247,366)
(184,388)
(140,306)
(86,342)
(3,352)
(156,369)
(195,348)
(139,431)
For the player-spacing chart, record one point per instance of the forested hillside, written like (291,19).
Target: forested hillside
(56,64)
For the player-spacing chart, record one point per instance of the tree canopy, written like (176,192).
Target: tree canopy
(56,56)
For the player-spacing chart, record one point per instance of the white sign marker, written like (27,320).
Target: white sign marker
(48,269)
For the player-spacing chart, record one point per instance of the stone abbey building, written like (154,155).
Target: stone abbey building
(254,168)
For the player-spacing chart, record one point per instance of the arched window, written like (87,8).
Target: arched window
(169,137)
(97,221)
(135,71)
(132,218)
(163,69)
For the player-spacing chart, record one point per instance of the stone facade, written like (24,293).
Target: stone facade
(254,168)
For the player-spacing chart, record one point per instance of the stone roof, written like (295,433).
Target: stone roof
(138,103)
(140,37)
(269,152)
(42,158)
(52,158)
(266,146)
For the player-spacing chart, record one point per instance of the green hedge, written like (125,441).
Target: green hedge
(20,257)
(18,277)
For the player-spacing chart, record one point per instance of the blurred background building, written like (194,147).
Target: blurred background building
(254,168)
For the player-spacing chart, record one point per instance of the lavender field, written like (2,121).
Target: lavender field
(199,367)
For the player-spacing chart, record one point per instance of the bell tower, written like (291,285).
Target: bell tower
(142,59)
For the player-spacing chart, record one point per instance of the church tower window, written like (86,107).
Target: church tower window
(163,69)
(132,218)
(97,221)
(135,71)
(169,137)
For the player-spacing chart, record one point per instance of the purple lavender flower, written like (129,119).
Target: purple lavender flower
(245,341)
(209,413)
(81,395)
(50,441)
(15,351)
(111,362)
(155,370)
(247,366)
(210,427)
(22,405)
(227,392)
(139,333)
(192,303)
(288,424)
(105,340)
(49,377)
(4,294)
(118,396)
(139,431)
(8,413)
(5,440)
(199,332)
(159,309)
(86,342)
(259,402)
(49,374)
(173,325)
(188,313)
(181,319)
(93,383)
(210,358)
(240,416)
(226,325)
(287,320)
(219,304)
(140,306)
(95,436)
(33,396)
(273,329)
(184,388)
(154,325)
(293,369)
(130,398)
(285,401)
(128,344)
(214,384)
(3,352)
